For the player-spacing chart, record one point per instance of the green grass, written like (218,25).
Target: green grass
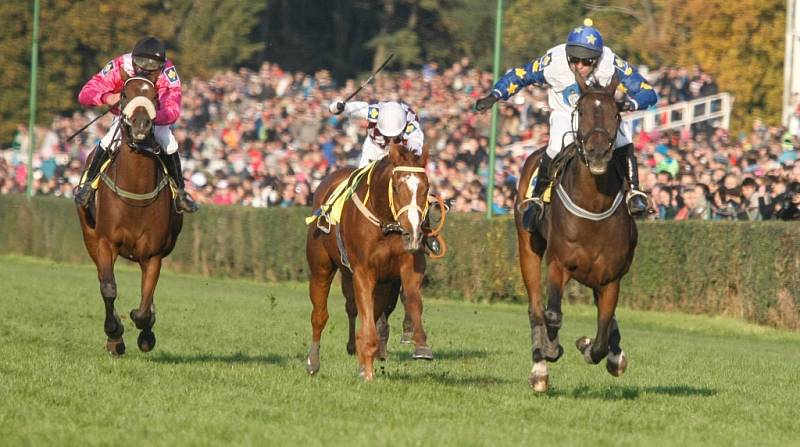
(228,369)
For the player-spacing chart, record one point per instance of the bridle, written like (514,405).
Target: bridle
(580,138)
(394,226)
(129,105)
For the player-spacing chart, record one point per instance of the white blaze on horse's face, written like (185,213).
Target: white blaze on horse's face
(412,182)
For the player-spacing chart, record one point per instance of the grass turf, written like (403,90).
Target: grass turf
(228,369)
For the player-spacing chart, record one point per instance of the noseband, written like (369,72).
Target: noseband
(137,101)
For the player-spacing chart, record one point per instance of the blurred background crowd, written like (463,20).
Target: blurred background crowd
(265,139)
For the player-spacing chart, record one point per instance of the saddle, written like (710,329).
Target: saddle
(556,169)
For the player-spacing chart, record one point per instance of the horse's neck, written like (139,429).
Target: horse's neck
(133,171)
(378,187)
(591,192)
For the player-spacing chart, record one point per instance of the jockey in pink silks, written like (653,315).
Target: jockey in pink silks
(104,88)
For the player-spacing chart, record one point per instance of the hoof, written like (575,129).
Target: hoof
(383,353)
(584,344)
(539,383)
(364,375)
(146,340)
(312,361)
(407,338)
(115,347)
(617,364)
(351,348)
(422,353)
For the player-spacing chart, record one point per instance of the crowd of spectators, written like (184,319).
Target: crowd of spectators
(265,138)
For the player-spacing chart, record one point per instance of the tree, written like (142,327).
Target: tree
(214,35)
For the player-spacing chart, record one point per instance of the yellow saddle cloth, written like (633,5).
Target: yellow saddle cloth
(331,210)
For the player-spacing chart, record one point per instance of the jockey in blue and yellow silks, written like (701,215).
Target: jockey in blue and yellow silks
(583,54)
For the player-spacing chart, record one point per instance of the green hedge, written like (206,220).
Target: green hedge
(741,269)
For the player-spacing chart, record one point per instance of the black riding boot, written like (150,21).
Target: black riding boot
(183,201)
(536,204)
(637,200)
(83,193)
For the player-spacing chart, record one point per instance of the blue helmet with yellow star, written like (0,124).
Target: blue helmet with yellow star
(585,42)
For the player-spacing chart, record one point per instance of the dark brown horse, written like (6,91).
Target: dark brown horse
(132,214)
(586,234)
(380,234)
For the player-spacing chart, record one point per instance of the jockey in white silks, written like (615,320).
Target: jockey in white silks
(388,122)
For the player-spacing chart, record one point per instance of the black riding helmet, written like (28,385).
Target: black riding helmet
(149,54)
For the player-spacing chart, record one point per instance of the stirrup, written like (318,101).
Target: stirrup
(184,203)
(634,208)
(83,194)
(432,243)
(532,213)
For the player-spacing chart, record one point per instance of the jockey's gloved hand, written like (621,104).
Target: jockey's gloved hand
(336,107)
(626,106)
(484,103)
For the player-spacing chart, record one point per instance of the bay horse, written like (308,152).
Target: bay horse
(585,234)
(132,213)
(377,247)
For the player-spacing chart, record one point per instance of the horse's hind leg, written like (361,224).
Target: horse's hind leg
(386,295)
(351,309)
(319,285)
(105,258)
(530,264)
(412,274)
(407,337)
(595,350)
(145,316)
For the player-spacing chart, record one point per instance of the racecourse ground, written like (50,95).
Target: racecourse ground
(228,369)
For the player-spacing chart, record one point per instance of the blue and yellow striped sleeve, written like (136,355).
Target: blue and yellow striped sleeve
(634,85)
(518,78)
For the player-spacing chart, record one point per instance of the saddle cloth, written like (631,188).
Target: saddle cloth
(331,210)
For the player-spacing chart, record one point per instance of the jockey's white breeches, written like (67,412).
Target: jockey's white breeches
(561,134)
(162,134)
(370,152)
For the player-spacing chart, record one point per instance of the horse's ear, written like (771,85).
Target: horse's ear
(612,87)
(581,81)
(124,74)
(395,155)
(425,153)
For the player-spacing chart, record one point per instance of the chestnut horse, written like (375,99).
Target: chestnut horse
(132,214)
(587,234)
(380,234)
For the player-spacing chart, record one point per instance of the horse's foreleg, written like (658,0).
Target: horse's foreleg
(606,299)
(557,278)
(367,338)
(145,316)
(351,309)
(412,274)
(530,263)
(105,258)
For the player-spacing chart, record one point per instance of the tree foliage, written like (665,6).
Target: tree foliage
(740,43)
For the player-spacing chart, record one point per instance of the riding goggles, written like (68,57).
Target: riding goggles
(147,64)
(576,61)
